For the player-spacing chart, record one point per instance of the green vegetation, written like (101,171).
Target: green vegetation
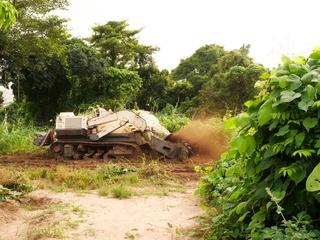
(15,139)
(8,14)
(266,186)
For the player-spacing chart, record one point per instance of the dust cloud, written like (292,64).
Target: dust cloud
(206,137)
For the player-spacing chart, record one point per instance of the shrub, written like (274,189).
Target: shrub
(258,189)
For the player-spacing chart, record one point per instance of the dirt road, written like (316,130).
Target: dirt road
(69,215)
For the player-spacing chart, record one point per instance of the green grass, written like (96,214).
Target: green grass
(121,192)
(16,139)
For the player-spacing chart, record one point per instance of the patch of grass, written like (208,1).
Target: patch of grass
(121,192)
(90,232)
(17,139)
(55,231)
(154,171)
(103,192)
(78,209)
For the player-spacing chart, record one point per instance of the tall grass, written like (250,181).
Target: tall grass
(15,139)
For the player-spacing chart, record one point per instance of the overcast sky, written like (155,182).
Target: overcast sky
(180,27)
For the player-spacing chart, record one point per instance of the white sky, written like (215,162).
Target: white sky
(180,27)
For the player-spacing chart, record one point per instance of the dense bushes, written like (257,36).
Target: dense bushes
(258,189)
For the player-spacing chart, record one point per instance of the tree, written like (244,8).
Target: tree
(215,80)
(267,185)
(45,90)
(87,74)
(152,95)
(8,14)
(119,46)
(200,67)
(34,35)
(231,89)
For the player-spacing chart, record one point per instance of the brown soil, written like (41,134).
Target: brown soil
(146,217)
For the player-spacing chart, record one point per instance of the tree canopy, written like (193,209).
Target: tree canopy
(52,72)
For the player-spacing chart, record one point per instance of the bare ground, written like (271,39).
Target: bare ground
(89,216)
(69,215)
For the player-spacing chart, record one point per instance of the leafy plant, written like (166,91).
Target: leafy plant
(273,154)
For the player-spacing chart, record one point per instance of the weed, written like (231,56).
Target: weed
(165,192)
(78,209)
(90,232)
(103,192)
(120,192)
(56,231)
(72,224)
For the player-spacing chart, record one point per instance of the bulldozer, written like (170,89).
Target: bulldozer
(108,134)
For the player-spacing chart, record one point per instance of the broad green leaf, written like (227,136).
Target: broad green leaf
(313,180)
(265,112)
(299,138)
(231,123)
(309,123)
(310,91)
(240,207)
(273,125)
(305,104)
(264,75)
(232,170)
(240,219)
(282,131)
(294,68)
(288,140)
(269,153)
(307,77)
(278,196)
(269,204)
(301,60)
(317,144)
(244,144)
(287,96)
(298,177)
(265,163)
(315,55)
(295,85)
(283,81)
(235,195)
(293,78)
(285,59)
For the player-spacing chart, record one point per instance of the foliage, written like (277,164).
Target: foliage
(258,189)
(1,98)
(155,86)
(214,81)
(171,119)
(13,185)
(119,46)
(16,139)
(8,14)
